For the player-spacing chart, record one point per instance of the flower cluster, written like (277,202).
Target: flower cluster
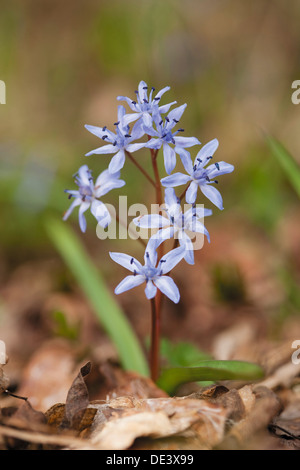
(160,125)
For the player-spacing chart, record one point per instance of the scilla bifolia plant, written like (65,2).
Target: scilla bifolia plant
(156,127)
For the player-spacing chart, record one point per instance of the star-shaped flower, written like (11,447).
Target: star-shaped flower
(199,175)
(88,193)
(152,272)
(143,107)
(176,224)
(163,136)
(119,142)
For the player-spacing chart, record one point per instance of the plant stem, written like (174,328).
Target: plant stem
(155,341)
(142,170)
(183,194)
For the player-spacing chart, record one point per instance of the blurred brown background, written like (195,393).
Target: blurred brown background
(233,63)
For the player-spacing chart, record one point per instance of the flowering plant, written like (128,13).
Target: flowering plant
(154,127)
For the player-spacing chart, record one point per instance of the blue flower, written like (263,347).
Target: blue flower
(175,224)
(198,175)
(144,106)
(119,142)
(88,193)
(153,273)
(164,136)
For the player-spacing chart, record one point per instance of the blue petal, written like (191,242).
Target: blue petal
(117,161)
(185,157)
(126,261)
(169,158)
(168,287)
(171,259)
(150,290)
(82,220)
(128,283)
(185,142)
(191,193)
(212,194)
(177,179)
(207,151)
(151,221)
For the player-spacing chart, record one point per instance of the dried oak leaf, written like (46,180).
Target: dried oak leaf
(77,416)
(121,421)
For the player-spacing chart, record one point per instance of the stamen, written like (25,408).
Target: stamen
(194,167)
(207,178)
(145,101)
(208,158)
(167,119)
(199,160)
(70,195)
(134,273)
(104,128)
(152,88)
(161,122)
(133,102)
(127,135)
(147,254)
(157,98)
(217,165)
(132,260)
(115,143)
(104,137)
(145,88)
(216,181)
(181,130)
(175,120)
(116,123)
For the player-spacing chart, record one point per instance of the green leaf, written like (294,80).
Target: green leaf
(105,307)
(181,353)
(286,161)
(170,379)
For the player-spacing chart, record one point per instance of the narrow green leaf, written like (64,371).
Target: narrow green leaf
(286,161)
(106,308)
(170,379)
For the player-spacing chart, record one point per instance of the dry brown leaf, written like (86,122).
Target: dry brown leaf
(120,422)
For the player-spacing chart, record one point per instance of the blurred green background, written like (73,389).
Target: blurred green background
(64,63)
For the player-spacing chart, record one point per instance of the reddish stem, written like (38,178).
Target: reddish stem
(155,341)
(142,170)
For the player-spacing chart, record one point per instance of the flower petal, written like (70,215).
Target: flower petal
(150,290)
(168,287)
(134,147)
(185,142)
(212,194)
(162,235)
(103,150)
(74,204)
(176,113)
(117,161)
(185,157)
(171,259)
(101,213)
(154,143)
(151,221)
(126,261)
(169,158)
(170,197)
(82,220)
(177,179)
(218,169)
(191,194)
(207,151)
(128,283)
